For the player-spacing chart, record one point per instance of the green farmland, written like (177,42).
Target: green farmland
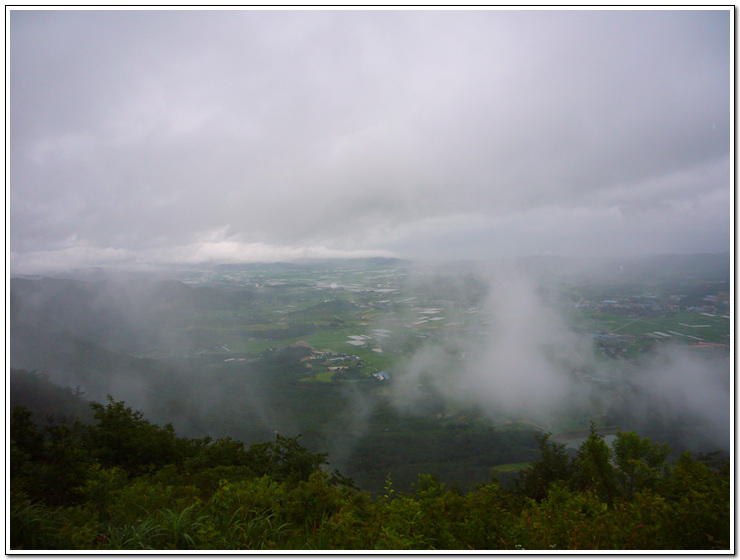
(683,326)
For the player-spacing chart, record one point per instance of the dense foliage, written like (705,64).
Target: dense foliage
(122,482)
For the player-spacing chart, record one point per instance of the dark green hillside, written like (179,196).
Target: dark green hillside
(425,446)
(33,390)
(120,482)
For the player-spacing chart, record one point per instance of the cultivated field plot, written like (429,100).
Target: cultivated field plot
(686,326)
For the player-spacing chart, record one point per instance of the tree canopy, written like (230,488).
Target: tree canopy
(123,483)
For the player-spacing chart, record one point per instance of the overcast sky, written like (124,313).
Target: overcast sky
(192,136)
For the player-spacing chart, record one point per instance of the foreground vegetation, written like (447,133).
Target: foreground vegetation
(122,482)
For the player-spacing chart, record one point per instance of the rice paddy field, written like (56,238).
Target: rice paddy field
(681,326)
(378,314)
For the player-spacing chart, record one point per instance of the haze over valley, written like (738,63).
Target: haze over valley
(343,351)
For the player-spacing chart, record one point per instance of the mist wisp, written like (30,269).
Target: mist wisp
(526,361)
(517,362)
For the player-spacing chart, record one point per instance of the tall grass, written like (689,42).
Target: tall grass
(32,526)
(141,535)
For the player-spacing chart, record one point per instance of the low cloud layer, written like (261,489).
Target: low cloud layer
(525,361)
(135,135)
(527,353)
(683,383)
(209,251)
(518,361)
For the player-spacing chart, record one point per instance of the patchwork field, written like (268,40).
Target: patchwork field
(683,326)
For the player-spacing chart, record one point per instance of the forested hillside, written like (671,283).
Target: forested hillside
(113,480)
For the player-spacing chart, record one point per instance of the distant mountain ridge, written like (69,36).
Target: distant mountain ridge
(700,266)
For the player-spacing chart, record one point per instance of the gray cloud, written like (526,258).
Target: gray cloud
(679,381)
(139,133)
(520,357)
(525,360)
